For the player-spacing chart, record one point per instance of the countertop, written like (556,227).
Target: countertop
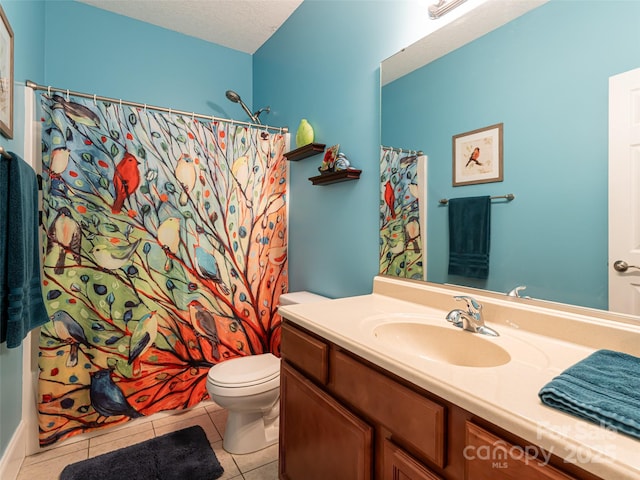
(506,395)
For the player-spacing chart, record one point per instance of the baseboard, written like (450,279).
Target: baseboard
(14,455)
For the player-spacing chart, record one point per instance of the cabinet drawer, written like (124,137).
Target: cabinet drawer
(399,465)
(305,352)
(488,456)
(411,418)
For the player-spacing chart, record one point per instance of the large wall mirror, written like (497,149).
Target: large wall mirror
(544,76)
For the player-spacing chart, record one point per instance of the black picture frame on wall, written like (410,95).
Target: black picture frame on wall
(6,76)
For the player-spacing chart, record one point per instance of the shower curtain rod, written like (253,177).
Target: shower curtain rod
(402,150)
(213,118)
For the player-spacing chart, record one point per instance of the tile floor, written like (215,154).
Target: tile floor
(261,465)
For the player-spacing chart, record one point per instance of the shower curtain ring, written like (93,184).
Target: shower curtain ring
(49,90)
(94,100)
(145,108)
(67,94)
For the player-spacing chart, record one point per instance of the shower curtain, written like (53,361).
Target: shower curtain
(402,223)
(165,253)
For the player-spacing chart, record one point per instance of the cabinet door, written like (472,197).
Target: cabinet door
(399,465)
(319,438)
(488,457)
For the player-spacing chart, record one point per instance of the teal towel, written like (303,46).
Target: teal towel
(21,303)
(469,236)
(604,388)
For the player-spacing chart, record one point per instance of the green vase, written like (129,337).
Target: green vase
(304,136)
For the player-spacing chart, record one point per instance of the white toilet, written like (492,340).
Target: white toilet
(249,388)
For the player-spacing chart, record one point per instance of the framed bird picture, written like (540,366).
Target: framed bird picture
(6,76)
(477,156)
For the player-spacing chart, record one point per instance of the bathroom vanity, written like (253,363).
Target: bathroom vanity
(380,386)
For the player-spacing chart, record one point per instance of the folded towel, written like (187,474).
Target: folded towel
(469,235)
(21,303)
(604,388)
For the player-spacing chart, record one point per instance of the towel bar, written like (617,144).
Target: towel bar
(508,196)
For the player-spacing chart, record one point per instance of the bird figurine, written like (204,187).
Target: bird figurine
(113,257)
(78,114)
(390,198)
(207,267)
(59,161)
(186,176)
(126,179)
(204,323)
(65,232)
(304,135)
(141,339)
(69,331)
(106,397)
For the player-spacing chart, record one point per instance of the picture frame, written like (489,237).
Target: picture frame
(477,156)
(329,159)
(6,76)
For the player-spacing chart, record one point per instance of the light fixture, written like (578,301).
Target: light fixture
(442,7)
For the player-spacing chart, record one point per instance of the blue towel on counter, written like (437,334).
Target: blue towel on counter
(469,235)
(604,388)
(21,303)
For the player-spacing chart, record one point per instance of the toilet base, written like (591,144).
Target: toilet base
(247,432)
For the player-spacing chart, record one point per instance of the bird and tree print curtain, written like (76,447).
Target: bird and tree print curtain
(402,252)
(165,253)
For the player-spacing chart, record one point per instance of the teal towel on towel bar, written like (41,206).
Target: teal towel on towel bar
(604,388)
(21,303)
(469,236)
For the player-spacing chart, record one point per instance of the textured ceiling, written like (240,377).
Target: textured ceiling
(243,25)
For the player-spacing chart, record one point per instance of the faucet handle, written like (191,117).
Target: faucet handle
(516,291)
(473,306)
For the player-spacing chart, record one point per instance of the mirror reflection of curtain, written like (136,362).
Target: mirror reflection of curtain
(402,213)
(165,251)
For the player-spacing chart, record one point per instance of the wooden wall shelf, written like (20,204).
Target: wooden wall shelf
(335,177)
(305,151)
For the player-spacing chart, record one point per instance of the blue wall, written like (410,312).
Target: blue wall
(546,79)
(95,51)
(324,65)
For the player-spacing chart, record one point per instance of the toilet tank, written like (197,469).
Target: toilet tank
(293,298)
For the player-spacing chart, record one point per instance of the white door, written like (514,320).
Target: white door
(624,192)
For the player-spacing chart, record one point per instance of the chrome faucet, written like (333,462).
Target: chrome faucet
(516,292)
(471,319)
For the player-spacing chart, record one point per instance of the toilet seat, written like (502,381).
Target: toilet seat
(245,375)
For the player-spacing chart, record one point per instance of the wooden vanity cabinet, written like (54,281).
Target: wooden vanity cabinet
(344,418)
(320,439)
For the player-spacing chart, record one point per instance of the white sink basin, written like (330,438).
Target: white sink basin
(446,344)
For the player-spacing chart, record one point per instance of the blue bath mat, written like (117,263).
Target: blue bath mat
(175,456)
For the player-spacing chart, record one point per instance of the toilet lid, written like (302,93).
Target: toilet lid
(243,371)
